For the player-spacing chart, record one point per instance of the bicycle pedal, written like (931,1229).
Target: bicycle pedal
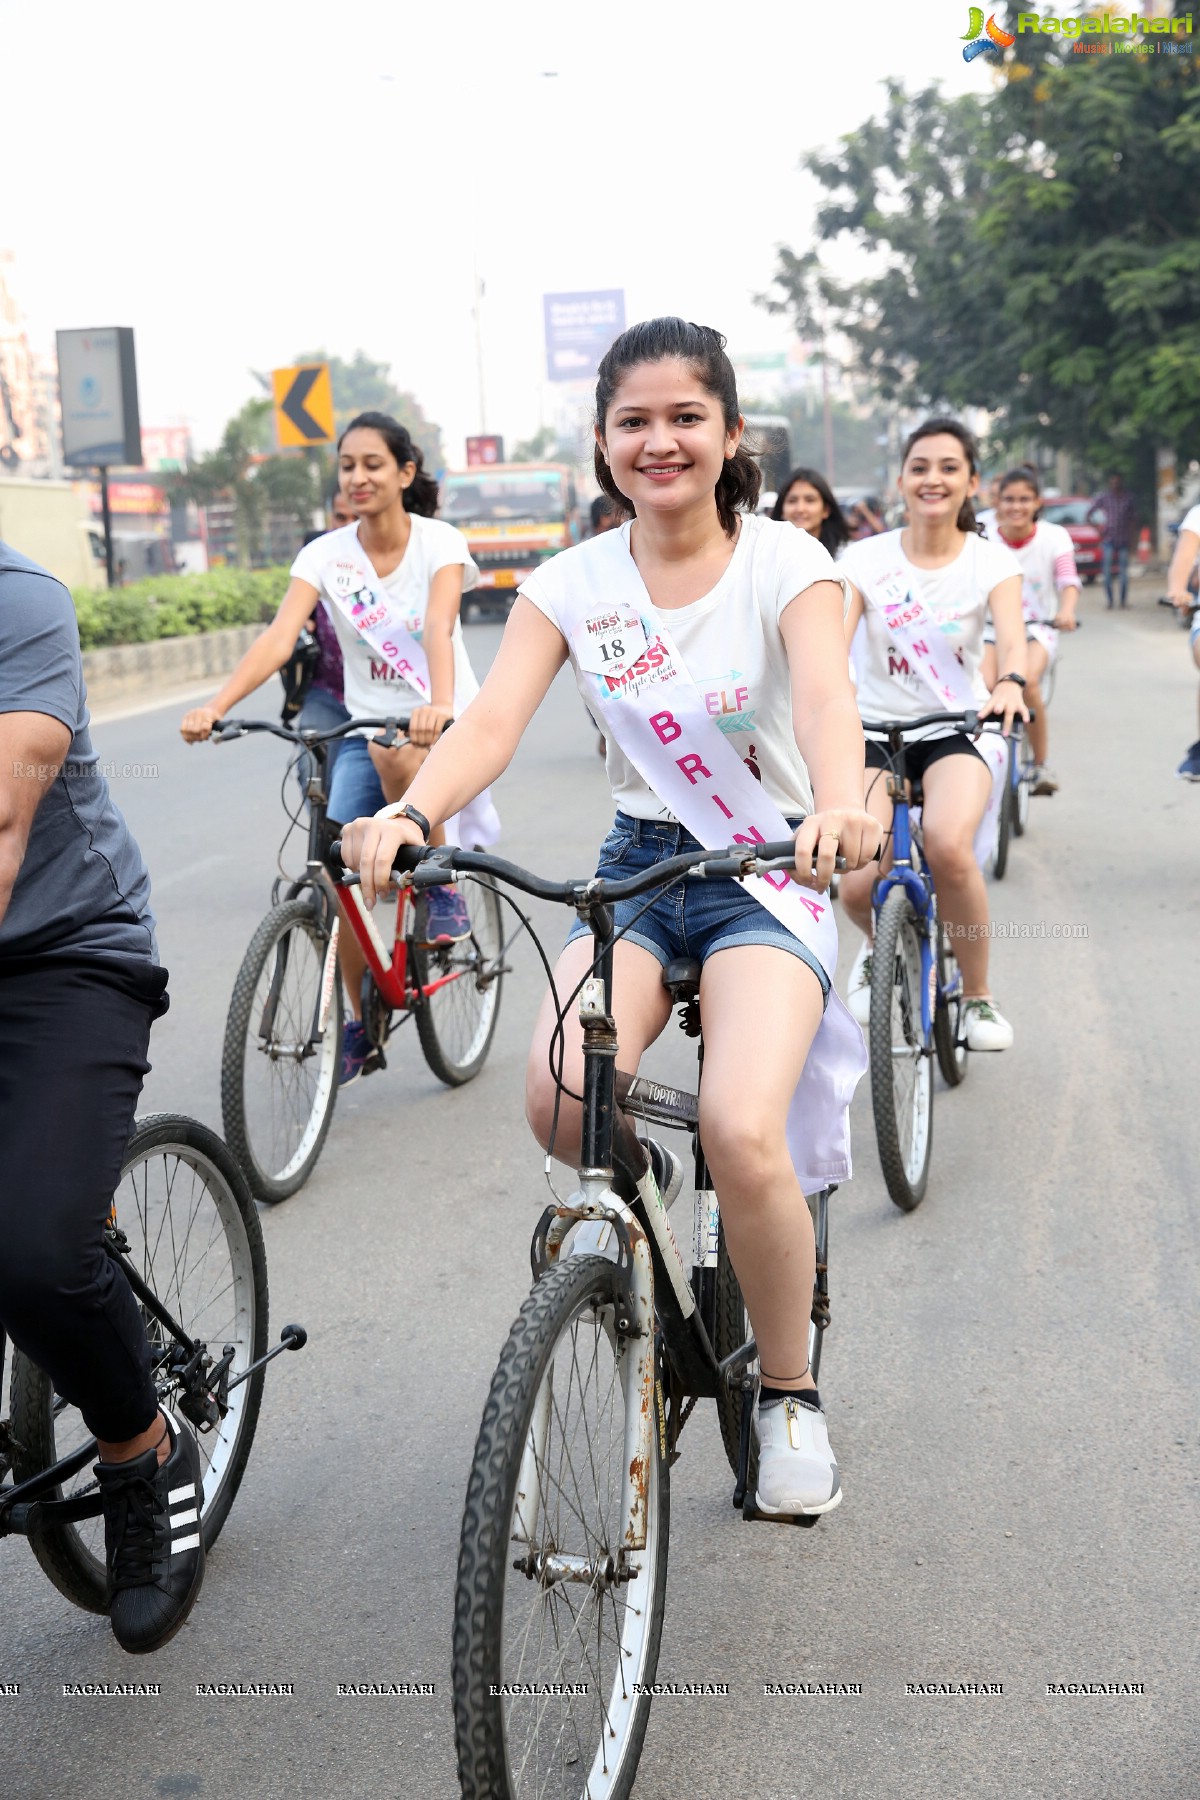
(752,1516)
(376,1060)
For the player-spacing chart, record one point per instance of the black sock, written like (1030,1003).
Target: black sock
(768,1395)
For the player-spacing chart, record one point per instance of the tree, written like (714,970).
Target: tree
(367,386)
(1040,250)
(245,470)
(544,446)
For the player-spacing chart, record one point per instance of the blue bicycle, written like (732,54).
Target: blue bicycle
(916,983)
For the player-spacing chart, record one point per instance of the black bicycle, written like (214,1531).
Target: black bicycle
(185,1234)
(563,1555)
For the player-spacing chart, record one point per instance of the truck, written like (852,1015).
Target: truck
(513,516)
(49,522)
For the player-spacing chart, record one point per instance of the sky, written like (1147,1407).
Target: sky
(244,182)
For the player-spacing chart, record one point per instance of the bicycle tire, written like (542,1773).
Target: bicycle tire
(491,1590)
(278,1152)
(895,979)
(1024,787)
(952,1054)
(46,1428)
(456,1024)
(1004,822)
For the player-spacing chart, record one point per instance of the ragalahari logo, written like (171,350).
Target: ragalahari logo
(985,40)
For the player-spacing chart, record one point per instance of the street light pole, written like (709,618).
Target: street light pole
(477,310)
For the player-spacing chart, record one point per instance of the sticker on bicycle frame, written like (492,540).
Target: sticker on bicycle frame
(607,643)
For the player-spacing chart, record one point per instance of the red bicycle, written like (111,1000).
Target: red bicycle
(283,1036)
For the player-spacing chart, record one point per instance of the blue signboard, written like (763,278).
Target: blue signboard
(579,329)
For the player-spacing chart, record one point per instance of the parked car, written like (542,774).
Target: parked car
(1072,511)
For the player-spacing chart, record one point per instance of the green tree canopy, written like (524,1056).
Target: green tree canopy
(245,469)
(1038,250)
(364,385)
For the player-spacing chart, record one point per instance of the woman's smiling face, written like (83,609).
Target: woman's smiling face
(937,478)
(665,437)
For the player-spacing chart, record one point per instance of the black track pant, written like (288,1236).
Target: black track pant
(73,1037)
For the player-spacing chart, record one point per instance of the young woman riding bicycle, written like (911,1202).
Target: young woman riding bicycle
(421,567)
(1050,596)
(695,591)
(941,561)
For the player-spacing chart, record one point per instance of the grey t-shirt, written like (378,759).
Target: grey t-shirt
(83,887)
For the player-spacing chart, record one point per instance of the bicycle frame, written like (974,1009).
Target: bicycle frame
(911,876)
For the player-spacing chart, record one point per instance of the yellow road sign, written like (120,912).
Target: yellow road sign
(303,406)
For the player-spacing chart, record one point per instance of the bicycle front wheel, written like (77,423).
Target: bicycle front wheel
(948,1039)
(1024,786)
(901,1070)
(1008,806)
(556,1626)
(195,1240)
(279,1080)
(456,1019)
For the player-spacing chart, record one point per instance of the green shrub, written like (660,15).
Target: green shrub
(165,606)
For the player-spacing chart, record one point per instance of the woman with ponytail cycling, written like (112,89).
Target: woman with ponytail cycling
(693,631)
(1049,598)
(399,567)
(923,594)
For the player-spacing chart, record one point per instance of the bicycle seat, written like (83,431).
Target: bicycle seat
(681,977)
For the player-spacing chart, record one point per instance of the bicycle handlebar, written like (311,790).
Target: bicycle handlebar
(224,731)
(438,867)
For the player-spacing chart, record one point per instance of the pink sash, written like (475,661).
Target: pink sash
(636,682)
(353,587)
(887,590)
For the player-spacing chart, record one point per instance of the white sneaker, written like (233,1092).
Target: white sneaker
(985,1028)
(1041,780)
(796,1470)
(667,1170)
(858,993)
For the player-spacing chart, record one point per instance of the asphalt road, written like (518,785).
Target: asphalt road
(1011,1373)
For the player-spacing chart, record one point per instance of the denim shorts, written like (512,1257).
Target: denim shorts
(356,790)
(693,918)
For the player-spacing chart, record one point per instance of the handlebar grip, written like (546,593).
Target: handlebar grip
(407,858)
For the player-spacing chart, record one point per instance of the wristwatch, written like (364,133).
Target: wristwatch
(402,810)
(1019,679)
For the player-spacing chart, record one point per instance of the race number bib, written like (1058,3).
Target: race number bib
(608,643)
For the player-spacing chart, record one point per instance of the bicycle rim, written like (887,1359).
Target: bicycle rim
(567,1653)
(279,1086)
(901,1072)
(190,1243)
(456,1022)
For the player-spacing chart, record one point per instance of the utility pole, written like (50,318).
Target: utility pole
(477,311)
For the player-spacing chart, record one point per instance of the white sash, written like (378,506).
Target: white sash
(887,589)
(638,684)
(354,589)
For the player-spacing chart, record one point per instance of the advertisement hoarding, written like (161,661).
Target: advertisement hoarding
(579,329)
(97,385)
(484,450)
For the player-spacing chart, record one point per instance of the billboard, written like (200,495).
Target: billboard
(579,329)
(97,386)
(484,450)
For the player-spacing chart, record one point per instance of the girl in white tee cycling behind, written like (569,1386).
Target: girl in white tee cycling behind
(940,559)
(1050,596)
(741,616)
(1179,592)
(422,566)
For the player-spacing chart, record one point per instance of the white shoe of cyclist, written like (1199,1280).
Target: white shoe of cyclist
(1041,781)
(858,994)
(796,1470)
(985,1027)
(667,1169)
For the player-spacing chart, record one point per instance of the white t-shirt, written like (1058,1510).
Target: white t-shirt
(1047,562)
(1191,521)
(957,598)
(733,649)
(373,689)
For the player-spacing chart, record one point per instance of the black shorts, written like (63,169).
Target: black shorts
(921,752)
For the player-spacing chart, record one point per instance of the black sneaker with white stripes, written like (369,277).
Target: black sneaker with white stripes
(153,1540)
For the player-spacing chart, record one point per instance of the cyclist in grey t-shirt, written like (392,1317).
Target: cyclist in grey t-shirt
(80,986)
